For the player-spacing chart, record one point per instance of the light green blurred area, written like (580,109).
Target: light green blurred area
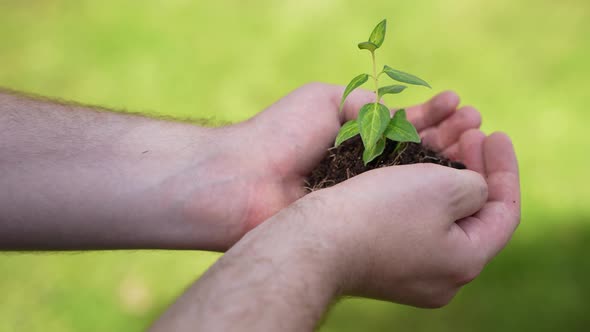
(524,64)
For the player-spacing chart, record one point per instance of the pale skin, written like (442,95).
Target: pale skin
(74,178)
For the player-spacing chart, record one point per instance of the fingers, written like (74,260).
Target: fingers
(492,227)
(449,131)
(502,168)
(465,195)
(434,111)
(433,192)
(470,148)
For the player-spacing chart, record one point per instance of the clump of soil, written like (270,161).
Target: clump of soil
(346,161)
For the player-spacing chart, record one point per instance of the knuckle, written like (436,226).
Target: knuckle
(468,110)
(473,134)
(462,186)
(441,181)
(452,184)
(469,116)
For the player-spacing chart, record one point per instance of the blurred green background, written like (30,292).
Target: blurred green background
(524,64)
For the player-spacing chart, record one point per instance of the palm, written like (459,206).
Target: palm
(292,136)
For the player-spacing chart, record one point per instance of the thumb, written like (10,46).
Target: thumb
(463,193)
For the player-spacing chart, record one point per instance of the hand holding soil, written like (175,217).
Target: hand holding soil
(281,146)
(412,234)
(415,234)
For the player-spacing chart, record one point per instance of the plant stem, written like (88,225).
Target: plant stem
(399,146)
(375,78)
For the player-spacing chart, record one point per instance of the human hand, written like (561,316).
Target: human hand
(415,234)
(410,234)
(109,180)
(259,166)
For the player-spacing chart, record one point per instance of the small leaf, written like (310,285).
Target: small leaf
(400,76)
(354,83)
(347,131)
(378,35)
(391,89)
(400,129)
(367,46)
(374,152)
(373,119)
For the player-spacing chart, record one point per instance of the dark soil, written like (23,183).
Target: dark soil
(346,161)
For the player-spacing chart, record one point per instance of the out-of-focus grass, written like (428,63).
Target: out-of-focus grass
(524,64)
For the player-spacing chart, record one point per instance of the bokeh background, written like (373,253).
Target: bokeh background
(524,64)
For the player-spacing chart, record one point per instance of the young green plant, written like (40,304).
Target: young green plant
(374,122)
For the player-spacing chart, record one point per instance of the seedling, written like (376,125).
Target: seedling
(374,122)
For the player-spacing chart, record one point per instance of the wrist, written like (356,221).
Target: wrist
(301,265)
(203,194)
(282,268)
(201,181)
(159,163)
(297,239)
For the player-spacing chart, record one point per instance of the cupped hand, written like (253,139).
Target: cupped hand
(415,234)
(410,234)
(259,165)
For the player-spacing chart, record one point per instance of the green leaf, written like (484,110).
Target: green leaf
(400,76)
(355,83)
(400,129)
(378,35)
(391,89)
(373,119)
(367,46)
(347,131)
(374,152)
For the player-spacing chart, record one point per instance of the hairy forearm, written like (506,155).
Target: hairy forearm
(279,277)
(74,177)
